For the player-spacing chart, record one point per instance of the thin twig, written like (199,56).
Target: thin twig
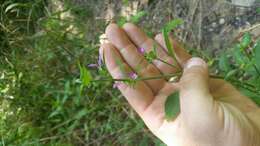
(251,28)
(166,62)
(138,79)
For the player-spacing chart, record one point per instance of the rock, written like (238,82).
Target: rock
(221,21)
(214,24)
(245,3)
(211,29)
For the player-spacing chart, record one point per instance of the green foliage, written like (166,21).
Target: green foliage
(257,54)
(224,63)
(133,19)
(173,24)
(258,10)
(152,55)
(138,16)
(172,106)
(125,2)
(240,66)
(169,47)
(42,101)
(121,21)
(85,77)
(13,6)
(246,40)
(166,31)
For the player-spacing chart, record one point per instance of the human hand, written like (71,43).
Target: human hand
(212,111)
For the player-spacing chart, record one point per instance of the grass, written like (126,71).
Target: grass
(42,99)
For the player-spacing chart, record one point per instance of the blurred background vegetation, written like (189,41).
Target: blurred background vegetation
(41,43)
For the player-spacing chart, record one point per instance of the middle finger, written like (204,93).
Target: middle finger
(135,59)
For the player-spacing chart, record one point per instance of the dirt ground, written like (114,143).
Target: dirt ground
(209,24)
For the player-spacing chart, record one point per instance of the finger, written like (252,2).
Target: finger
(181,54)
(131,55)
(197,103)
(139,96)
(143,41)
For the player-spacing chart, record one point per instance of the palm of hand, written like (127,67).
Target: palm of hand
(213,112)
(225,123)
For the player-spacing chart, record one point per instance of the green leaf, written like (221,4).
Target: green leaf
(224,63)
(173,24)
(257,54)
(125,2)
(246,40)
(230,74)
(252,95)
(81,113)
(121,21)
(258,10)
(167,42)
(12,6)
(256,99)
(137,17)
(172,106)
(166,30)
(150,56)
(238,56)
(85,76)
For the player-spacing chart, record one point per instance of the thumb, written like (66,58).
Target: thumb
(195,98)
(194,80)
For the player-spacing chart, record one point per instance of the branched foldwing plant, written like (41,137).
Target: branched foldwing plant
(239,65)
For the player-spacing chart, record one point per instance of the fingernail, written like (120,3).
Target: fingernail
(195,61)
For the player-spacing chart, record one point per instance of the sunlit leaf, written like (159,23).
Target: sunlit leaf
(81,113)
(125,2)
(166,30)
(257,54)
(167,42)
(230,74)
(246,40)
(173,24)
(238,56)
(85,76)
(152,55)
(172,106)
(258,10)
(224,63)
(12,6)
(121,21)
(137,17)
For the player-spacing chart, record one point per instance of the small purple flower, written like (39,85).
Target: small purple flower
(93,65)
(133,75)
(99,60)
(116,84)
(98,64)
(141,50)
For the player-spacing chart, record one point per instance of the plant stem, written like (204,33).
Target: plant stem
(168,44)
(140,79)
(255,67)
(244,85)
(174,66)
